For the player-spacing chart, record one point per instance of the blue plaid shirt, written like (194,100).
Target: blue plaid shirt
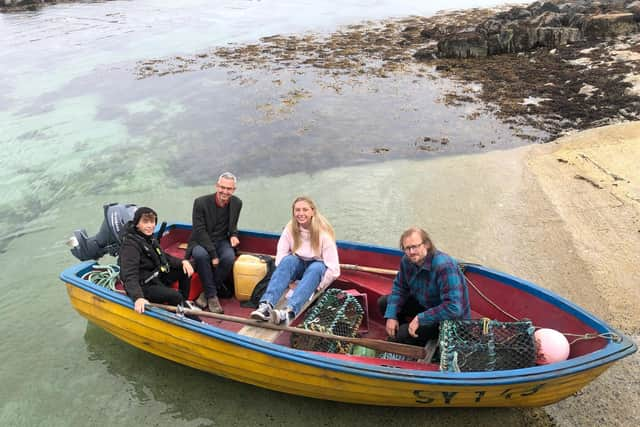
(437,284)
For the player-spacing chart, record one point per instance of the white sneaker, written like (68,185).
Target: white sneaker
(282,317)
(190,305)
(263,312)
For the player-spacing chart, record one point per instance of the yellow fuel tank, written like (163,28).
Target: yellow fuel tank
(248,270)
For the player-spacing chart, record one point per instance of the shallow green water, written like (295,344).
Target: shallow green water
(79,130)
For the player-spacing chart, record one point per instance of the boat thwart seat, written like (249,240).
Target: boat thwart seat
(270,334)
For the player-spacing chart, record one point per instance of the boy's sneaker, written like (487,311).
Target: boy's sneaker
(282,317)
(190,305)
(263,312)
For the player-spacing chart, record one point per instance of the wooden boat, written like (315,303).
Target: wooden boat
(223,346)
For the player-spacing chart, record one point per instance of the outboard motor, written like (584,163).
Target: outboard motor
(108,239)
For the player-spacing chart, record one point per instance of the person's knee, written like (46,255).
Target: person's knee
(404,337)
(227,257)
(288,261)
(199,253)
(175,298)
(316,268)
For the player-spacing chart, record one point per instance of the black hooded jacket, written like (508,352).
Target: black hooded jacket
(140,257)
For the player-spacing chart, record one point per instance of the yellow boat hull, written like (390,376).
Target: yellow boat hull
(267,365)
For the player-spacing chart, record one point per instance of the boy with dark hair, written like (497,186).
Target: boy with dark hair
(146,270)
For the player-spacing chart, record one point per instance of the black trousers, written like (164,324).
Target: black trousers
(410,309)
(160,290)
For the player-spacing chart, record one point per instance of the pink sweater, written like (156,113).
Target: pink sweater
(328,253)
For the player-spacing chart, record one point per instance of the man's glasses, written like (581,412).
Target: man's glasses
(222,187)
(412,247)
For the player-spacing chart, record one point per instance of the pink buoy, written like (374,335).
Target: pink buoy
(552,346)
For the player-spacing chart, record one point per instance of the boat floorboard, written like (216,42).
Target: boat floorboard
(271,335)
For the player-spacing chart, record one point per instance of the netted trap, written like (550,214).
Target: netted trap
(335,313)
(486,345)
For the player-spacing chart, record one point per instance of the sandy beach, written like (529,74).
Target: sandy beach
(593,183)
(575,207)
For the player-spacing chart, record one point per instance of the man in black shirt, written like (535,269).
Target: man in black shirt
(213,239)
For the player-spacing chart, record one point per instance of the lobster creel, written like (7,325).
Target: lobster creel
(336,313)
(486,345)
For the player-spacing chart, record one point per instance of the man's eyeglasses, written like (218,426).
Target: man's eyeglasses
(412,247)
(222,187)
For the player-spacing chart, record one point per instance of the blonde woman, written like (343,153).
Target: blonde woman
(306,252)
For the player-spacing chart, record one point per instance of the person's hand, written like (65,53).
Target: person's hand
(187,268)
(139,305)
(215,261)
(392,327)
(234,241)
(413,327)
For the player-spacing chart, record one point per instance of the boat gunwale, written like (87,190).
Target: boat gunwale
(611,352)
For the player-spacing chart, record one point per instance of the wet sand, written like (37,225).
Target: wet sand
(593,183)
(571,223)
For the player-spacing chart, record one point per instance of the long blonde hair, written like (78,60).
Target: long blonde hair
(318,224)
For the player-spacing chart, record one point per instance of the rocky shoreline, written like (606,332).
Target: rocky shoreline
(557,66)
(574,65)
(19,5)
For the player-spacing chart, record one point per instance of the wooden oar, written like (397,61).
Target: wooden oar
(368,269)
(379,345)
(345,266)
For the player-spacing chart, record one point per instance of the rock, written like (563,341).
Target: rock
(572,8)
(635,9)
(502,42)
(600,27)
(516,37)
(425,54)
(23,3)
(491,26)
(576,20)
(470,44)
(515,13)
(547,19)
(550,24)
(614,5)
(429,33)
(539,7)
(553,37)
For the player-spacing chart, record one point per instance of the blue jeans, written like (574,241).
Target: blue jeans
(309,274)
(213,279)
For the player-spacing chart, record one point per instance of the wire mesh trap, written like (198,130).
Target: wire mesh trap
(335,313)
(486,345)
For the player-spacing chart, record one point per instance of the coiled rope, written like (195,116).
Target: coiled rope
(106,275)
